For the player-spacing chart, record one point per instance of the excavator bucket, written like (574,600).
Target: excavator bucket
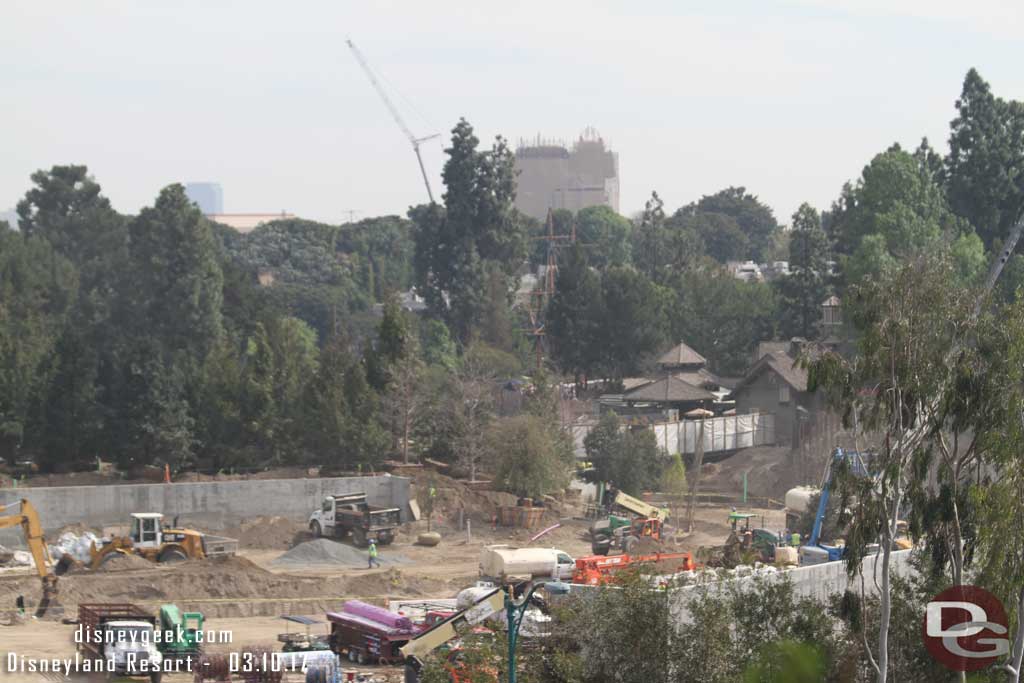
(49,606)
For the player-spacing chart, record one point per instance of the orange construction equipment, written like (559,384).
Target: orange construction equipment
(596,570)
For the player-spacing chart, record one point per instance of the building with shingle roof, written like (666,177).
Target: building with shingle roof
(778,384)
(681,356)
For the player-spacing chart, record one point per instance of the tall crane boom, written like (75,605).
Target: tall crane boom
(395,115)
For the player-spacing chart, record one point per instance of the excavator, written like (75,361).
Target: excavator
(27,517)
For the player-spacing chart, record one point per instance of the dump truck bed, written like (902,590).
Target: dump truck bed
(219,545)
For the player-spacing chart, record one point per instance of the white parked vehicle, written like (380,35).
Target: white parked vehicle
(504,564)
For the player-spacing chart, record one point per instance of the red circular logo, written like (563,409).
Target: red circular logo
(965,628)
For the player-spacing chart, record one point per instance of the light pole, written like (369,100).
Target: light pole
(514,611)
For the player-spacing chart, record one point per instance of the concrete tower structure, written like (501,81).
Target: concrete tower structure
(552,176)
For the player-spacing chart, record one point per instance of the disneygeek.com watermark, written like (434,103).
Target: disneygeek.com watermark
(135,650)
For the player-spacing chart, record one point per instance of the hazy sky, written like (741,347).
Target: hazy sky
(789,99)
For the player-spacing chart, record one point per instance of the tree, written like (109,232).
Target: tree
(384,248)
(722,317)
(400,370)
(895,210)
(984,171)
(663,247)
(907,322)
(803,290)
(478,226)
(634,323)
(575,316)
(72,418)
(606,235)
(66,209)
(37,290)
(341,423)
(436,343)
(153,412)
(753,218)
(723,238)
(673,483)
(628,459)
(472,408)
(532,456)
(177,283)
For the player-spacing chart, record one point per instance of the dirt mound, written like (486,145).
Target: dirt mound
(456,500)
(326,551)
(268,533)
(119,562)
(768,469)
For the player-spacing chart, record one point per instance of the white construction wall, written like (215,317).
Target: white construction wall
(727,433)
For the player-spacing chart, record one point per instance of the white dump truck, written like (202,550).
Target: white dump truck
(505,564)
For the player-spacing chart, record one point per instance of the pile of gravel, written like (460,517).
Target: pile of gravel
(326,551)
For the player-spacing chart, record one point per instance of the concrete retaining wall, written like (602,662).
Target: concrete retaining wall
(211,505)
(819,582)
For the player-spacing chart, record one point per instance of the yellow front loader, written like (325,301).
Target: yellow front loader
(151,540)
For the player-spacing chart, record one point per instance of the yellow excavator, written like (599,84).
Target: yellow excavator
(27,517)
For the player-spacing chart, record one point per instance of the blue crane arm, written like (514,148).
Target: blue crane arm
(826,489)
(819,518)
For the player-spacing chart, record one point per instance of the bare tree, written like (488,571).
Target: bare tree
(472,409)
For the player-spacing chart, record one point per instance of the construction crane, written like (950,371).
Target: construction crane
(396,116)
(28,519)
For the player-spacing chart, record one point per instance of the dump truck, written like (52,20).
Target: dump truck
(186,628)
(122,635)
(150,539)
(342,515)
(503,564)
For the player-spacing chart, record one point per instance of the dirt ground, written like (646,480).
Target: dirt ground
(246,594)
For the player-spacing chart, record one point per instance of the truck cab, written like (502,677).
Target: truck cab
(131,647)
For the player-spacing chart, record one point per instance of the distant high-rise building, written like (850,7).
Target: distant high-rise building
(551,176)
(207,196)
(11,216)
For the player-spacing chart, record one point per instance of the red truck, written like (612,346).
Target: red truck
(368,634)
(121,634)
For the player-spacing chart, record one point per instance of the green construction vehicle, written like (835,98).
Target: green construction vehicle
(608,525)
(186,628)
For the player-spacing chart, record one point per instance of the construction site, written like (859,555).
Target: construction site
(290,582)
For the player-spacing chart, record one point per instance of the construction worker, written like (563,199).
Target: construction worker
(794,540)
(372,555)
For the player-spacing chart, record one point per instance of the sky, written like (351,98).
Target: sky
(788,99)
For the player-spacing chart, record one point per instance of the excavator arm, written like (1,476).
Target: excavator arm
(28,519)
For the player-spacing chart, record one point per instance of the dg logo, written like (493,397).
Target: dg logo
(965,628)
